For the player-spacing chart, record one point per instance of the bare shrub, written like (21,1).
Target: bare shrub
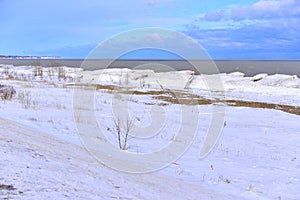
(38,71)
(12,76)
(5,70)
(24,77)
(189,82)
(122,131)
(8,74)
(50,72)
(62,73)
(142,80)
(25,99)
(7,92)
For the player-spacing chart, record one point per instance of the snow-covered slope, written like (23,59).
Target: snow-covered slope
(42,156)
(39,166)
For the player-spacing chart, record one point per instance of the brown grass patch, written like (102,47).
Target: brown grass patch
(184,98)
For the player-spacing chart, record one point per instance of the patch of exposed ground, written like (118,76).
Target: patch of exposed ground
(185,98)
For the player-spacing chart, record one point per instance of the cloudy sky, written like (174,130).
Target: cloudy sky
(262,29)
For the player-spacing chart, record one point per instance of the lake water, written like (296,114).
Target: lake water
(249,67)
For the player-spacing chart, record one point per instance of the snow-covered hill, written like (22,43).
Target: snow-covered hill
(42,156)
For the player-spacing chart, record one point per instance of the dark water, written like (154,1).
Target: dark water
(249,67)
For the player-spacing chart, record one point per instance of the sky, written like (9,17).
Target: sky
(231,29)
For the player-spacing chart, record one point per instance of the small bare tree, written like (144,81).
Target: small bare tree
(189,82)
(122,131)
(117,127)
(160,85)
(127,129)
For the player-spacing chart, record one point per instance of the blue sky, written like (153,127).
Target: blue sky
(262,29)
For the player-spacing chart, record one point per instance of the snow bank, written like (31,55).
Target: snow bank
(42,157)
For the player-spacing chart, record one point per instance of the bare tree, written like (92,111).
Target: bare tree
(122,132)
(127,129)
(189,82)
(118,131)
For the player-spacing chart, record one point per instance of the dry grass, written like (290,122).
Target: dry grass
(185,98)
(7,187)
(285,108)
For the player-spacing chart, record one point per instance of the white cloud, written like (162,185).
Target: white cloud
(263,9)
(273,38)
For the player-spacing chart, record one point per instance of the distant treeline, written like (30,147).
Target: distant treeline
(28,57)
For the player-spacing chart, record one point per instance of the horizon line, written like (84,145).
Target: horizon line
(143,59)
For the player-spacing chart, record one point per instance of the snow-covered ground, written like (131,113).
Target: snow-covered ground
(42,156)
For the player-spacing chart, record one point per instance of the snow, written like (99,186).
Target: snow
(42,155)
